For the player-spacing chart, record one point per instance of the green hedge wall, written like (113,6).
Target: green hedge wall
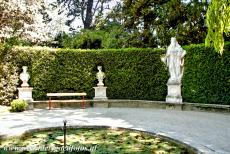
(130,73)
(206,75)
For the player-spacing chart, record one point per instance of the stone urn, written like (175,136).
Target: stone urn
(100,76)
(25,92)
(100,90)
(24,76)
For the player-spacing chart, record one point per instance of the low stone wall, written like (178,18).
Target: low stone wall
(134,104)
(61,104)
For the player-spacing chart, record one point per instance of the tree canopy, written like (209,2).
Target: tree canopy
(131,23)
(154,22)
(14,18)
(25,20)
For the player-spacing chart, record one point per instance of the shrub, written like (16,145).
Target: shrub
(93,39)
(87,39)
(18,105)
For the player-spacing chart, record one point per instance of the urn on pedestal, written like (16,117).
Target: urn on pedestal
(24,76)
(25,92)
(100,90)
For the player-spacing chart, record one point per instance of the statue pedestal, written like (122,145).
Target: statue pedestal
(174,93)
(25,93)
(100,93)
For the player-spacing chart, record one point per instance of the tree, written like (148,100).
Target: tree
(139,16)
(112,26)
(36,22)
(86,10)
(154,22)
(185,21)
(12,18)
(22,19)
(218,22)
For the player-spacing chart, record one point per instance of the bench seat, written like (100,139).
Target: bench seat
(66,94)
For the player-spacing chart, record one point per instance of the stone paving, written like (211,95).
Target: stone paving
(209,132)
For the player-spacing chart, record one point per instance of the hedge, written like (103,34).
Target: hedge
(206,75)
(130,73)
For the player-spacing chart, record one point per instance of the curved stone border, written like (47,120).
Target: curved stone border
(190,148)
(135,104)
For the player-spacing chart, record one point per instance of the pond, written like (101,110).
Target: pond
(98,140)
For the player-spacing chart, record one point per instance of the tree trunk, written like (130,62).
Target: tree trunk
(88,18)
(146,33)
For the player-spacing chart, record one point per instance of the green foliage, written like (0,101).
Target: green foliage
(207,75)
(139,74)
(18,105)
(153,22)
(218,22)
(114,37)
(8,76)
(144,24)
(130,73)
(62,40)
(107,38)
(86,39)
(185,21)
(17,41)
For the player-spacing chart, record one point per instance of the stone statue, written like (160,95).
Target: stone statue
(100,76)
(24,76)
(174,60)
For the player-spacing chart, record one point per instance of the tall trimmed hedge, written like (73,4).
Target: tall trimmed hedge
(206,75)
(130,73)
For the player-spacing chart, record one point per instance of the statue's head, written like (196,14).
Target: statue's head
(173,41)
(99,68)
(24,68)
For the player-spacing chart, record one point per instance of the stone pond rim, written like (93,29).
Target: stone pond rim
(190,149)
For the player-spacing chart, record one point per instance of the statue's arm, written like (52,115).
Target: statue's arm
(182,57)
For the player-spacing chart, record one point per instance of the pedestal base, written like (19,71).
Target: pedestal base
(25,93)
(174,93)
(100,93)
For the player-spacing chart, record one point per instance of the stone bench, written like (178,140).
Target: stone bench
(64,95)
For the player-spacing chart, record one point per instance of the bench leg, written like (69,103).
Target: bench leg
(49,105)
(83,102)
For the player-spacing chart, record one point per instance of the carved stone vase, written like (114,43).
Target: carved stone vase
(100,90)
(25,92)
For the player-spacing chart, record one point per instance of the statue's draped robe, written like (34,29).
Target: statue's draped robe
(174,61)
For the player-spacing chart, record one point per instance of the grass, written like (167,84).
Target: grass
(94,141)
